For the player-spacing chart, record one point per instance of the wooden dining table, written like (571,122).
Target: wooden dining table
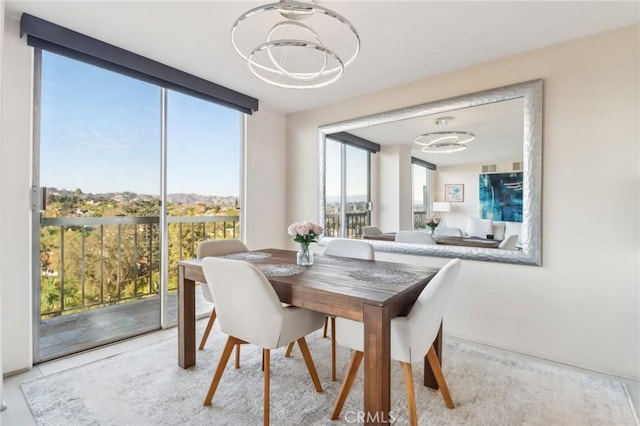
(467,241)
(369,291)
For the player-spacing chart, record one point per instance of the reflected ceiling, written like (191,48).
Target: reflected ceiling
(498,128)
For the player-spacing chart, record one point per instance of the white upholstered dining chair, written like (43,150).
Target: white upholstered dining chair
(412,337)
(509,243)
(445,231)
(216,248)
(371,230)
(477,227)
(415,237)
(249,311)
(356,249)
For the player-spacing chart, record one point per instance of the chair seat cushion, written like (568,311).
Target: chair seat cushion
(297,323)
(350,334)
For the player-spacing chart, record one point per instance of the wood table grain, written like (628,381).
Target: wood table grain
(369,291)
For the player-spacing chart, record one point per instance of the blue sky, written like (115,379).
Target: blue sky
(100,132)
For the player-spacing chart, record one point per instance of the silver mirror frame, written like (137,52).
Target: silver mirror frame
(531,93)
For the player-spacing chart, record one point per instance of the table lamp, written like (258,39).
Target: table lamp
(442,208)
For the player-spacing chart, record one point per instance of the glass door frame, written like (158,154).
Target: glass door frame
(343,186)
(37,204)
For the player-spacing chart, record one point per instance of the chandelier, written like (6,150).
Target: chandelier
(444,141)
(295,44)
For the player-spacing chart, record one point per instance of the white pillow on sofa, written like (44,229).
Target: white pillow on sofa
(478,227)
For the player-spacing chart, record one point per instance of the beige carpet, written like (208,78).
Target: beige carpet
(146,387)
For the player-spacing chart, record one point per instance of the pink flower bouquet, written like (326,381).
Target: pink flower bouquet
(305,233)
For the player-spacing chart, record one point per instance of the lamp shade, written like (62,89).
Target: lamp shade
(441,207)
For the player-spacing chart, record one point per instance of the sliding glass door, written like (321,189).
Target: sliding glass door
(203,182)
(347,189)
(128,178)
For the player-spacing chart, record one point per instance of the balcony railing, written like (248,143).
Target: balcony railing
(89,262)
(355,222)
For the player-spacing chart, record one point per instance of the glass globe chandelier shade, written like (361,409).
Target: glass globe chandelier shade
(295,44)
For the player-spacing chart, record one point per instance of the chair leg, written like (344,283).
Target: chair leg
(207,330)
(224,358)
(326,323)
(237,356)
(333,349)
(310,365)
(356,358)
(411,395)
(437,372)
(266,361)
(289,349)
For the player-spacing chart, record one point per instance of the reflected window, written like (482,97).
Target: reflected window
(421,194)
(347,189)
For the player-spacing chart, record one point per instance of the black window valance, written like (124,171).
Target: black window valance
(45,35)
(356,141)
(423,163)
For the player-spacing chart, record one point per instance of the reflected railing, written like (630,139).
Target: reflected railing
(355,222)
(419,219)
(91,262)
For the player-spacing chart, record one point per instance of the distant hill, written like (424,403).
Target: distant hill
(180,198)
(177,198)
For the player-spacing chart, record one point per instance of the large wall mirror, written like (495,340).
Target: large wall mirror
(482,191)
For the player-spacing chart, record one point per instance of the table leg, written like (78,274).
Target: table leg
(377,365)
(186,320)
(429,378)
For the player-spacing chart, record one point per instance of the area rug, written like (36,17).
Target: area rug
(146,387)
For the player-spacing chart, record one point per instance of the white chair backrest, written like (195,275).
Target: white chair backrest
(449,232)
(217,248)
(416,237)
(478,227)
(350,248)
(371,230)
(247,306)
(220,247)
(509,243)
(426,314)
(514,228)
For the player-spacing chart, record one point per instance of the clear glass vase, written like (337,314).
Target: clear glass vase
(305,256)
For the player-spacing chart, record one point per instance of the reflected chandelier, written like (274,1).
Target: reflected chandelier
(445,141)
(300,45)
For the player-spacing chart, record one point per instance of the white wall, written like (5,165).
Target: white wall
(2,404)
(582,306)
(264,198)
(393,183)
(265,220)
(15,181)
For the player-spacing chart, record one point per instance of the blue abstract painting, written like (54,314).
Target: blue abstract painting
(501,196)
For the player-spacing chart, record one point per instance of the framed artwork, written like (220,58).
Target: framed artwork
(454,192)
(501,196)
